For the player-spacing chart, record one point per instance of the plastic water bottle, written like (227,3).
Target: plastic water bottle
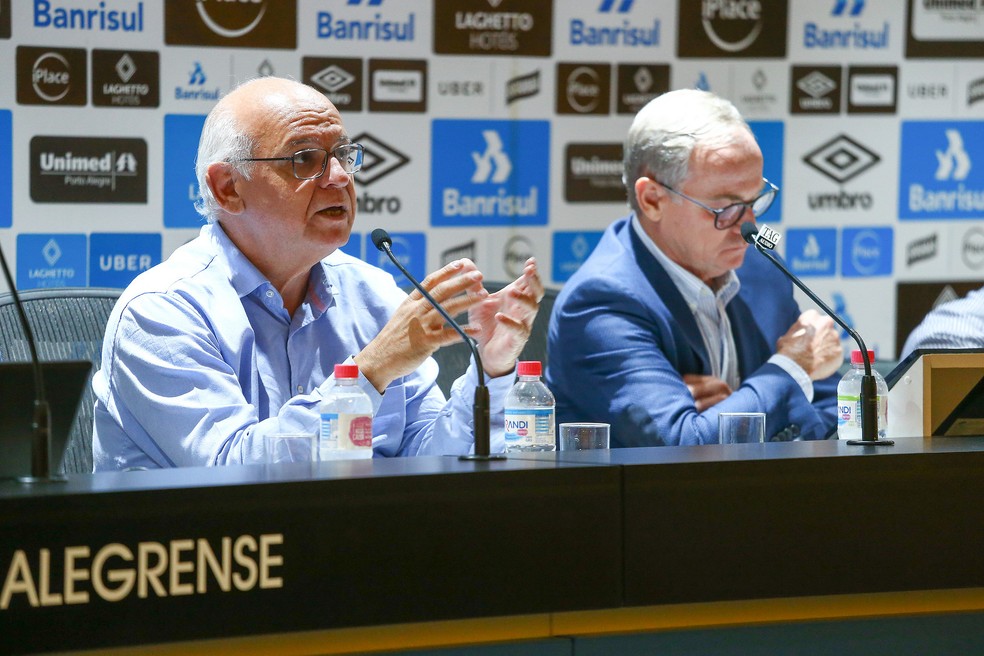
(529,411)
(346,418)
(849,399)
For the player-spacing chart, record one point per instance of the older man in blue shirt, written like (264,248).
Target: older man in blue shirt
(235,336)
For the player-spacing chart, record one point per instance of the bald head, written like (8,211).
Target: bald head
(238,123)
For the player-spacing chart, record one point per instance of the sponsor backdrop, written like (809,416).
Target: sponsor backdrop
(493,128)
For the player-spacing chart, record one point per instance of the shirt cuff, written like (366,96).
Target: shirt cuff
(796,372)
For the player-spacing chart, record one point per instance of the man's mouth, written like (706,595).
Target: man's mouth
(334,211)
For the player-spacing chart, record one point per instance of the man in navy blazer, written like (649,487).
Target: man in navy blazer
(668,323)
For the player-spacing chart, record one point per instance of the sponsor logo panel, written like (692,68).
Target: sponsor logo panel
(815,90)
(570,250)
(770,136)
(866,252)
(51,76)
(6,169)
(88,170)
(410,248)
(922,249)
(584,88)
(181,135)
(975,92)
(253,24)
(593,173)
(846,29)
(755,92)
(972,249)
(116,259)
(51,260)
(739,28)
(477,177)
(945,28)
(397,85)
(126,78)
(936,179)
(812,252)
(841,160)
(493,27)
(4,19)
(637,84)
(468,249)
(339,79)
(872,89)
(517,250)
(522,86)
(199,84)
(378,161)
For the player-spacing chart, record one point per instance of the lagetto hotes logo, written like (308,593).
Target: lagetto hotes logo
(125,78)
(51,76)
(489,173)
(88,170)
(493,27)
(732,28)
(231,23)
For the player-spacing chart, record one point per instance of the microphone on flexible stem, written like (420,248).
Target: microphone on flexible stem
(41,424)
(381,240)
(869,389)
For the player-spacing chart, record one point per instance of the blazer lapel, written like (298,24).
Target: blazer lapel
(752,347)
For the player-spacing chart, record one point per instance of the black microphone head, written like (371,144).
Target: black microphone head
(380,238)
(748,232)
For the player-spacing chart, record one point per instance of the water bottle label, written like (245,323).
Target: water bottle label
(529,427)
(346,431)
(848,410)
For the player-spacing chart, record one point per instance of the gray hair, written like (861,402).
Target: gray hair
(665,132)
(223,140)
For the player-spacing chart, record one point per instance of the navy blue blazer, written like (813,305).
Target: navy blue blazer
(621,337)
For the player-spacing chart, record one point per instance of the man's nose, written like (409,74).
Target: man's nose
(335,176)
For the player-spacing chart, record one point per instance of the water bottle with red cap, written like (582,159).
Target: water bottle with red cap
(346,418)
(529,410)
(849,399)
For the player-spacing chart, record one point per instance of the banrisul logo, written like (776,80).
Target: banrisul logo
(92,16)
(812,252)
(364,20)
(940,167)
(615,24)
(88,170)
(479,175)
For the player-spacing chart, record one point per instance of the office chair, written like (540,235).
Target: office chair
(68,324)
(454,359)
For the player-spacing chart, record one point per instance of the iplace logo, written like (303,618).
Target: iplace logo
(51,76)
(339,79)
(476,180)
(972,249)
(866,252)
(88,170)
(615,24)
(584,88)
(516,28)
(637,84)
(937,179)
(243,24)
(517,250)
(731,28)
(125,78)
(398,85)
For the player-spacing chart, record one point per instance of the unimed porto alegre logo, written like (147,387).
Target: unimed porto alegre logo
(489,173)
(241,24)
(88,170)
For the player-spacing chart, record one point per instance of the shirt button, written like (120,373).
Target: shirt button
(300,388)
(269,293)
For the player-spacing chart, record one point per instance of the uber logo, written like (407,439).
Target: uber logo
(253,24)
(116,259)
(872,89)
(397,85)
(125,78)
(339,79)
(51,76)
(584,88)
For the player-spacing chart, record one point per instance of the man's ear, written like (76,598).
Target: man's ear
(221,178)
(651,198)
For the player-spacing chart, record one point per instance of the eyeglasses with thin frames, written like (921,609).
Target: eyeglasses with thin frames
(725,217)
(312,163)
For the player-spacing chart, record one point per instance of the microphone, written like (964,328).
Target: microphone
(869,390)
(480,407)
(41,424)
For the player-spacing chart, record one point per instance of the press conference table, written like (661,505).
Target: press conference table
(543,549)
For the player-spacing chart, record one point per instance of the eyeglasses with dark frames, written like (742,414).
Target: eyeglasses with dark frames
(312,163)
(725,217)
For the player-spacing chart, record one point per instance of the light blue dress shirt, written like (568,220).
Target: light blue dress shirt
(201,360)
(957,324)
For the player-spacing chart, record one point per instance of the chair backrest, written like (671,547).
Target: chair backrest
(68,324)
(454,359)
